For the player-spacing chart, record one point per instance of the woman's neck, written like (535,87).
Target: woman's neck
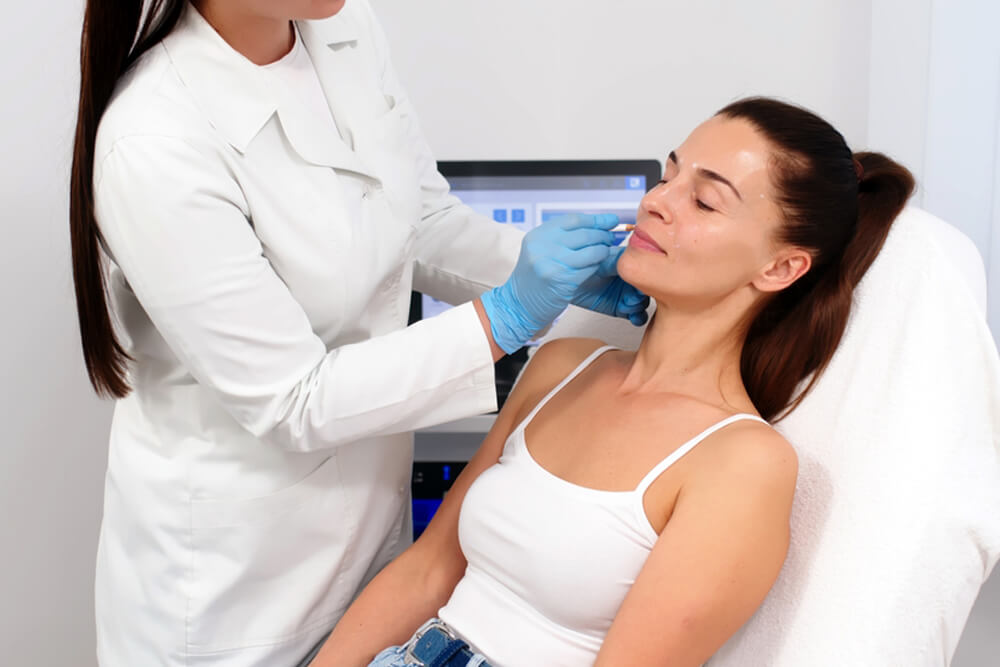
(692,354)
(261,39)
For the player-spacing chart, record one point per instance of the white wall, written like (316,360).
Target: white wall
(53,432)
(934,102)
(628,79)
(898,82)
(513,79)
(962,123)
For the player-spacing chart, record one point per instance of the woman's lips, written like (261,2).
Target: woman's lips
(642,241)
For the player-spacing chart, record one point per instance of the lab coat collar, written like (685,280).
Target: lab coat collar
(234,94)
(227,87)
(338,29)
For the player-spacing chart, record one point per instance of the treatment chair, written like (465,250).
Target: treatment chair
(896,519)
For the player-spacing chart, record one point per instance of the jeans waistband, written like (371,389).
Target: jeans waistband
(437,645)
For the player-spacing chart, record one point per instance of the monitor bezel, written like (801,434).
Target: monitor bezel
(651,169)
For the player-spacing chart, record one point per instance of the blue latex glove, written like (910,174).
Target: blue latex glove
(557,258)
(604,292)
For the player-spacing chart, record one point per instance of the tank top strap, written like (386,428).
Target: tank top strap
(688,446)
(565,381)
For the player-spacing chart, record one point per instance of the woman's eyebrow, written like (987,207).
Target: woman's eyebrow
(709,174)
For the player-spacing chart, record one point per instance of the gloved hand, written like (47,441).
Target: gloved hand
(556,259)
(605,292)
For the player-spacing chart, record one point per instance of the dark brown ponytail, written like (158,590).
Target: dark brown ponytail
(837,205)
(112,40)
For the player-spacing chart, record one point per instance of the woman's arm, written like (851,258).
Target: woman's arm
(416,585)
(717,557)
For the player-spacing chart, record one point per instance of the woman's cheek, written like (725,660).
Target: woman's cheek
(674,242)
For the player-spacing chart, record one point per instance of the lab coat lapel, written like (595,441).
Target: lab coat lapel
(238,100)
(313,138)
(349,79)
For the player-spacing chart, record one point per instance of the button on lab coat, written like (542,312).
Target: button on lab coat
(263,259)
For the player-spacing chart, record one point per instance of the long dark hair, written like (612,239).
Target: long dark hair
(839,206)
(115,34)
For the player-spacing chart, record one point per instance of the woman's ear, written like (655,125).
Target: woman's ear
(788,266)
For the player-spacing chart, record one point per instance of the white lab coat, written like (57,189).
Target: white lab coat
(259,473)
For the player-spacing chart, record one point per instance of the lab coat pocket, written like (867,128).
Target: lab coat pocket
(265,570)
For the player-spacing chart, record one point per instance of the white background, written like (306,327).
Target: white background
(524,79)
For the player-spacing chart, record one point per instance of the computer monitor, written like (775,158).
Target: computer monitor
(523,194)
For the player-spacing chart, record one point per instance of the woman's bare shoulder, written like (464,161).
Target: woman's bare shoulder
(751,450)
(562,355)
(552,362)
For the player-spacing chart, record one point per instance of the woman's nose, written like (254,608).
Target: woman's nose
(658,202)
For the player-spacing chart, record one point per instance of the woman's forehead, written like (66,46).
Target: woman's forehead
(732,148)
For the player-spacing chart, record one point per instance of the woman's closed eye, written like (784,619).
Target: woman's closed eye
(703,203)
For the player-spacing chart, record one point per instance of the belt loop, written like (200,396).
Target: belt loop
(451,649)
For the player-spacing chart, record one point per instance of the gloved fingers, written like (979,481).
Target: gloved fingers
(628,301)
(586,258)
(609,266)
(569,221)
(632,297)
(631,312)
(576,239)
(638,318)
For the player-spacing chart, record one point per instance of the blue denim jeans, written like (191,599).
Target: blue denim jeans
(395,656)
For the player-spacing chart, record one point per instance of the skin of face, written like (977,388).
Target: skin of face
(282,10)
(699,242)
(261,30)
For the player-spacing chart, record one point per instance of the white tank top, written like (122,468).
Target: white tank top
(549,562)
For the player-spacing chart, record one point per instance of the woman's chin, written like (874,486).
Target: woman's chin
(324,9)
(639,279)
(630,270)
